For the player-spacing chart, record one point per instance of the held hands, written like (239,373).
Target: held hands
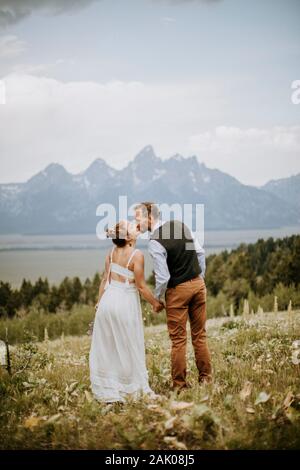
(158,306)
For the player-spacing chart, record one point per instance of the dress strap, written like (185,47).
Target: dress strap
(127,266)
(130,257)
(111,253)
(109,269)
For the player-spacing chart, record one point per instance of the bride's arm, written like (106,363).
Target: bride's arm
(139,275)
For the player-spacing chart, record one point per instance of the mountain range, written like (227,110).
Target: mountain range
(56,201)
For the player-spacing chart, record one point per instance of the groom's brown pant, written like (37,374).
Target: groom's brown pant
(188,300)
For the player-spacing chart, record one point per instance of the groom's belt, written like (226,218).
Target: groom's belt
(174,282)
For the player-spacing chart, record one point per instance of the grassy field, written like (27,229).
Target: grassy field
(253,402)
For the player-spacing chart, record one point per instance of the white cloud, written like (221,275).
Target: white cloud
(253,155)
(12,11)
(11,46)
(40,69)
(46,120)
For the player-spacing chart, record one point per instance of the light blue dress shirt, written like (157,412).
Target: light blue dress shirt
(159,257)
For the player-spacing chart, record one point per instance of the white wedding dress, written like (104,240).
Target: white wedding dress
(117,355)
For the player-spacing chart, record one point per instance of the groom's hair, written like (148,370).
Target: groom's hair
(148,208)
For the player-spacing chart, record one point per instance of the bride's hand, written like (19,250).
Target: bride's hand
(158,306)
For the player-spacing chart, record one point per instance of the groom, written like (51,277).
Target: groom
(179,268)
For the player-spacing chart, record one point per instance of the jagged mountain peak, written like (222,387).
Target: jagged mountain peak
(69,200)
(178,157)
(53,173)
(53,168)
(147,154)
(191,161)
(287,189)
(281,181)
(98,165)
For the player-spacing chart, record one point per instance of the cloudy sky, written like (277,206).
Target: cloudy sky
(86,79)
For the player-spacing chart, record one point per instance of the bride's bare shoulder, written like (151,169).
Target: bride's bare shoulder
(138,255)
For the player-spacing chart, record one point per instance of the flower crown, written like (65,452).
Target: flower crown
(111,233)
(119,231)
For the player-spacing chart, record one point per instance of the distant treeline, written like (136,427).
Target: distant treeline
(256,271)
(50,298)
(259,266)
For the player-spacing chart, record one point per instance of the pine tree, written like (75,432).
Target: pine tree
(26,292)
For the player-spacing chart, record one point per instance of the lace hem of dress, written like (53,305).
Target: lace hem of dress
(109,389)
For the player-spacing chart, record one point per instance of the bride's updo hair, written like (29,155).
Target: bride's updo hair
(118,233)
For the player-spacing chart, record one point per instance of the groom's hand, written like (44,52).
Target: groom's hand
(158,307)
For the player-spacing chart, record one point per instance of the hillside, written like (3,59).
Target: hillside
(253,402)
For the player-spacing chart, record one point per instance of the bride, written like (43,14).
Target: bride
(117,355)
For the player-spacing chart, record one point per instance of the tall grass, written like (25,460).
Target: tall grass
(253,402)
(74,322)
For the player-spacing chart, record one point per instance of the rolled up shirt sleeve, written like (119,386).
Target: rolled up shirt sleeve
(200,255)
(161,271)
